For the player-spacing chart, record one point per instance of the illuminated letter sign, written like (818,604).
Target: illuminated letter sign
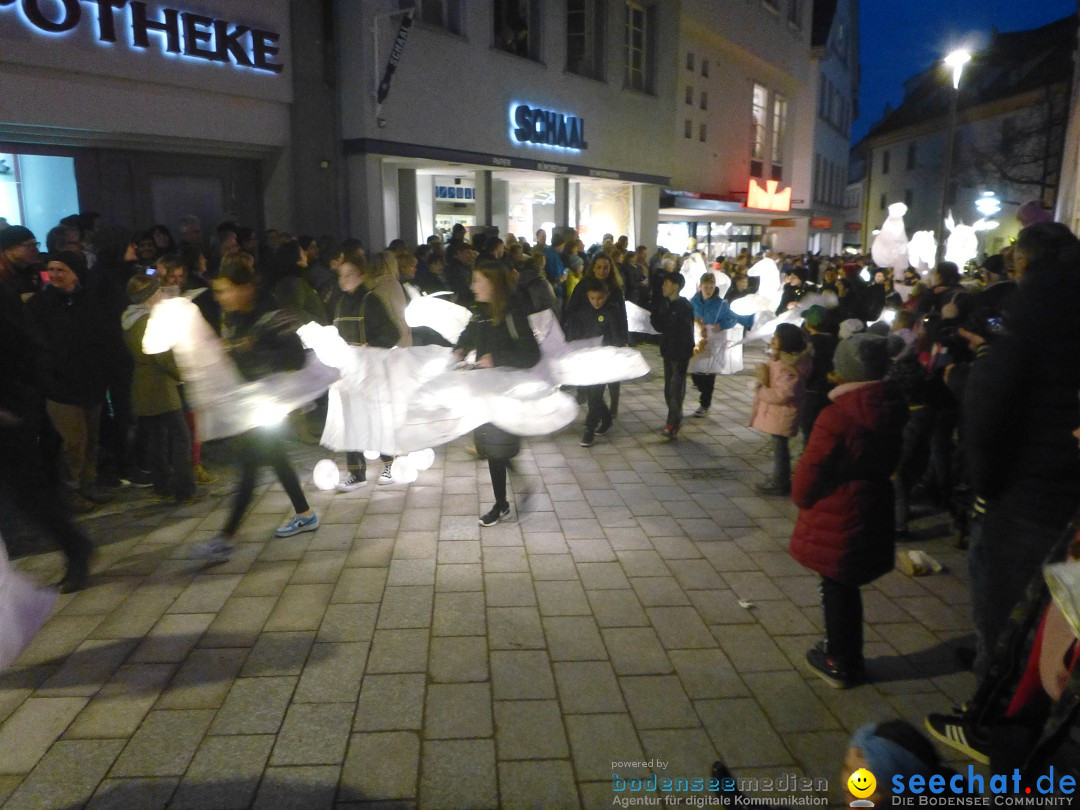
(768,198)
(174,32)
(547,128)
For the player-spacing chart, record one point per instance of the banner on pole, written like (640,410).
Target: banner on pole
(395,57)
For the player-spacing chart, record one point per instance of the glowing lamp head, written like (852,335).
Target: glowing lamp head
(988,205)
(956,61)
(403,471)
(326,475)
(422,459)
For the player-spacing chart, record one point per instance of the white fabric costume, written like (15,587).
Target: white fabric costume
(24,607)
(226,403)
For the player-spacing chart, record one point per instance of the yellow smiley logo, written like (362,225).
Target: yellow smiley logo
(862,783)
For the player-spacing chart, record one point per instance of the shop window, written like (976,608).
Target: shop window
(704,68)
(704,100)
(885,161)
(517,27)
(688,129)
(779,129)
(690,60)
(701,133)
(689,95)
(759,104)
(585,38)
(36,191)
(640,46)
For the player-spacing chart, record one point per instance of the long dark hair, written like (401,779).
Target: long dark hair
(502,285)
(614,279)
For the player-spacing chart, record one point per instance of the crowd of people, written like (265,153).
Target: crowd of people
(958,389)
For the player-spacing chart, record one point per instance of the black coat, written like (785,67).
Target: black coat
(459,277)
(510,342)
(79,343)
(1021,400)
(674,320)
(262,341)
(608,322)
(361,319)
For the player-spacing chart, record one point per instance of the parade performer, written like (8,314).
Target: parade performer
(719,337)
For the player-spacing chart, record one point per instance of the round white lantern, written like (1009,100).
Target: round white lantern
(403,471)
(326,474)
(371,455)
(422,459)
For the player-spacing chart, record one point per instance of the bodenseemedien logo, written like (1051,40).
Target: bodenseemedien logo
(862,784)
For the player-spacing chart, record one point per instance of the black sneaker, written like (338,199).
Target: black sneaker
(835,674)
(603,427)
(352,483)
(588,438)
(499,512)
(773,488)
(957,731)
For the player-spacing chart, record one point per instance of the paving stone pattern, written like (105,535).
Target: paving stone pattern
(642,606)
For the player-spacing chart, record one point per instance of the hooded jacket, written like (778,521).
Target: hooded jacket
(715,310)
(778,402)
(845,528)
(155,381)
(388,291)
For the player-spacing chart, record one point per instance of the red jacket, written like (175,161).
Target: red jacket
(841,485)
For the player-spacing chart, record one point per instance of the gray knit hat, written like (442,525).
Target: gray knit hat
(141,288)
(862,357)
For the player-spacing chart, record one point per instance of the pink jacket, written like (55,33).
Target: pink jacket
(777,402)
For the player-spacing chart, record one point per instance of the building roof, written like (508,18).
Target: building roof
(824,12)
(1013,63)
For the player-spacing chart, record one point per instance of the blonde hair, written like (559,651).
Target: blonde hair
(383,263)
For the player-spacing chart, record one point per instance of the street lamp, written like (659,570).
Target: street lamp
(955,61)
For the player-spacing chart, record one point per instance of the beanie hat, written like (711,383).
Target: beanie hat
(850,327)
(816,317)
(862,358)
(1032,212)
(141,288)
(14,235)
(879,328)
(76,261)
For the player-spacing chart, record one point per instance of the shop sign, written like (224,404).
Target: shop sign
(769,198)
(853,227)
(821,222)
(169,30)
(455,193)
(547,128)
(782,223)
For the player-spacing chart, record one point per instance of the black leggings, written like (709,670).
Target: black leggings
(843,608)
(497,469)
(254,449)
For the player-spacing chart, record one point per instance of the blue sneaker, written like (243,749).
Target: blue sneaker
(298,524)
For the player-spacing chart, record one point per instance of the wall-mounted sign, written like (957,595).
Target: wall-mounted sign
(768,198)
(455,193)
(853,227)
(547,128)
(782,223)
(823,223)
(169,30)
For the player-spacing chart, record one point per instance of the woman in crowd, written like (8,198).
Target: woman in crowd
(603,270)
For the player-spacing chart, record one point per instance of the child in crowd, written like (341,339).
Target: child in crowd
(604,319)
(713,354)
(822,340)
(673,318)
(842,487)
(779,397)
(155,398)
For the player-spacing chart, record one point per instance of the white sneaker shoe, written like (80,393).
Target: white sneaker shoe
(386,476)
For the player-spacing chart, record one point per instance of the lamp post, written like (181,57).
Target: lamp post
(956,62)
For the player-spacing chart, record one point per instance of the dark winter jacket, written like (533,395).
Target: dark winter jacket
(535,291)
(1021,400)
(579,298)
(459,277)
(262,341)
(608,322)
(792,295)
(845,529)
(824,346)
(361,319)
(79,343)
(510,342)
(294,294)
(674,320)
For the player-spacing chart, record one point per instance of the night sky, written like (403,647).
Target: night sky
(898,39)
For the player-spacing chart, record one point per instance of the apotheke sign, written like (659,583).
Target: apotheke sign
(169,30)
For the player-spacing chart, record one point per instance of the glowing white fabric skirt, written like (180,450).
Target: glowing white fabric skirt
(226,403)
(723,352)
(581,362)
(637,320)
(445,317)
(24,607)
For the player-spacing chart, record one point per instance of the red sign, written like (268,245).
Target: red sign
(782,223)
(821,222)
(768,198)
(853,227)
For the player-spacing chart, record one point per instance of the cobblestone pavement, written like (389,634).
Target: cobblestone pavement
(643,607)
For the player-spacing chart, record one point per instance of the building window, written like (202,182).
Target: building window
(689,60)
(701,133)
(779,126)
(881,202)
(704,68)
(795,13)
(912,156)
(517,27)
(909,197)
(688,129)
(757,126)
(585,38)
(704,100)
(689,95)
(438,13)
(885,162)
(640,58)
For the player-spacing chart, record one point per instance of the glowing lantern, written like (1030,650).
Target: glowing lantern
(403,471)
(326,475)
(422,459)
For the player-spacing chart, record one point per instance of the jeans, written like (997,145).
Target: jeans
(357,464)
(781,462)
(843,609)
(705,383)
(78,426)
(168,448)
(613,395)
(675,389)
(254,449)
(598,410)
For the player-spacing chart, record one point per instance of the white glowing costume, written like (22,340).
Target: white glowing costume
(889,248)
(638,320)
(723,353)
(445,317)
(922,252)
(24,607)
(692,269)
(226,403)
